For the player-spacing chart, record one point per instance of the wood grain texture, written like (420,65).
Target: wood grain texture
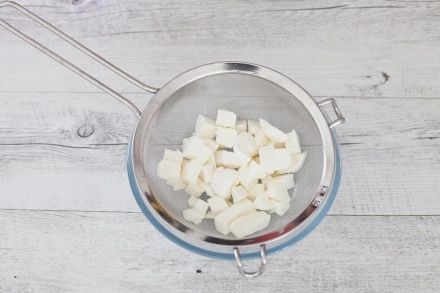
(332,48)
(121,252)
(68,220)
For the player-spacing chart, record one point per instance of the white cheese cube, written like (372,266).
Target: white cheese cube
(261,139)
(238,193)
(273,133)
(297,163)
(283,159)
(253,126)
(206,173)
(169,170)
(263,202)
(162,169)
(194,190)
(174,156)
(179,185)
(267,158)
(223,220)
(191,147)
(228,159)
(241,156)
(246,142)
(256,170)
(286,179)
(201,206)
(223,180)
(207,188)
(205,127)
(192,200)
(250,223)
(280,208)
(226,118)
(190,172)
(209,215)
(217,204)
(248,181)
(210,143)
(257,190)
(193,215)
(241,126)
(278,192)
(211,160)
(292,143)
(226,136)
(203,154)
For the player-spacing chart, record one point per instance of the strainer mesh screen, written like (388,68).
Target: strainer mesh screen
(250,97)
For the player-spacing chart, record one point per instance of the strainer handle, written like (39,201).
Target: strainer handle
(79,47)
(340,119)
(262,265)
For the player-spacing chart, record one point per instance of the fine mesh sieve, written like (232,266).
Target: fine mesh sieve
(252,92)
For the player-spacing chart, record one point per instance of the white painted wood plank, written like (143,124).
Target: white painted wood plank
(389,148)
(335,48)
(120,252)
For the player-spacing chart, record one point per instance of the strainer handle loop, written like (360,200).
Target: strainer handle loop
(79,47)
(340,119)
(240,264)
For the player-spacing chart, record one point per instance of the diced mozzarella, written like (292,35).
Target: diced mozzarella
(280,208)
(193,215)
(174,156)
(283,159)
(297,163)
(263,202)
(241,126)
(226,136)
(286,179)
(267,158)
(203,155)
(190,172)
(223,220)
(273,133)
(217,204)
(205,127)
(223,180)
(228,159)
(209,215)
(250,223)
(253,126)
(201,206)
(261,139)
(192,200)
(278,192)
(168,169)
(241,156)
(179,185)
(207,188)
(246,142)
(194,190)
(210,143)
(226,118)
(256,191)
(292,143)
(245,179)
(238,193)
(256,170)
(191,147)
(206,173)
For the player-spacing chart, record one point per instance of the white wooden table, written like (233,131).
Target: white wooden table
(68,220)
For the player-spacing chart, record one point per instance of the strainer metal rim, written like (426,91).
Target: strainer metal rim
(150,199)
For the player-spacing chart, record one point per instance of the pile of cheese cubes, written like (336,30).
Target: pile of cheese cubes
(244,167)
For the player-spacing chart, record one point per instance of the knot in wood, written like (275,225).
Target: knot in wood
(85,130)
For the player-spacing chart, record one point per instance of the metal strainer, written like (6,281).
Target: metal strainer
(252,92)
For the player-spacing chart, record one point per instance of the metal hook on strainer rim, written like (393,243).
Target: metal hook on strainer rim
(195,92)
